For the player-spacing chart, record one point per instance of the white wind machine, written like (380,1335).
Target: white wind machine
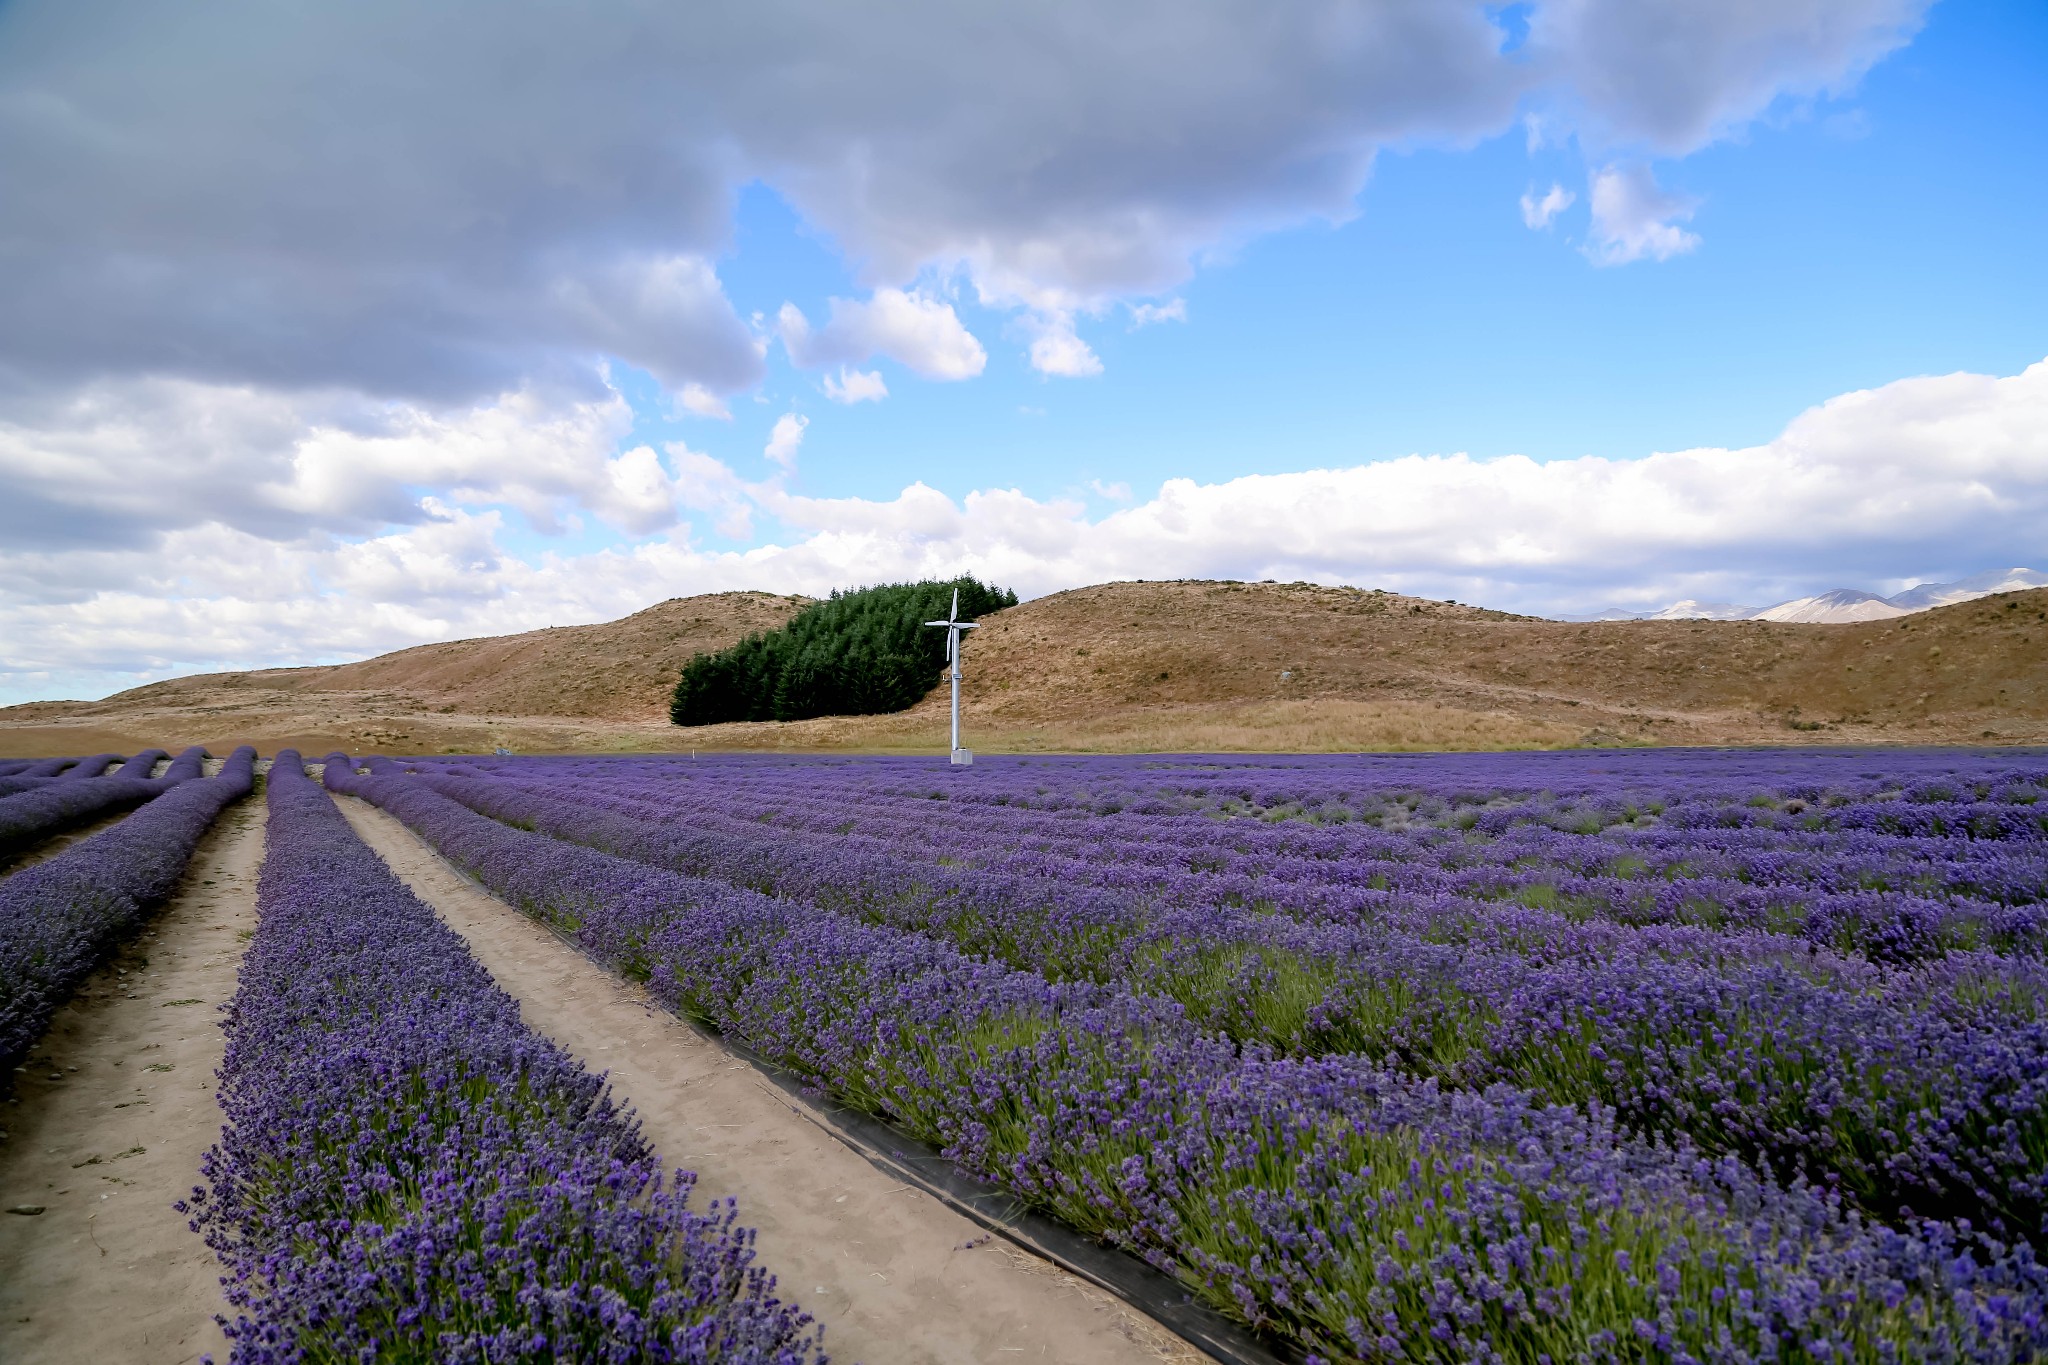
(953,625)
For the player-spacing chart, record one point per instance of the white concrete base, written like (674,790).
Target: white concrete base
(963,758)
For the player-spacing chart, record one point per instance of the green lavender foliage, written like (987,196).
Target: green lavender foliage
(858,653)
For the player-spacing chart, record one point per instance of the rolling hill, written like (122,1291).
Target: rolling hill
(570,677)
(1158,665)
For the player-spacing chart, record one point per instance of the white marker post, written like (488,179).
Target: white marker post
(953,625)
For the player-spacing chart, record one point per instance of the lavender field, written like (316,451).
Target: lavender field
(408,1172)
(1680,1055)
(58,920)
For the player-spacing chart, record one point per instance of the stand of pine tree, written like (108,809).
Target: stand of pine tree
(858,653)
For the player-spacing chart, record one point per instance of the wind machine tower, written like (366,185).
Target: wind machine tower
(953,625)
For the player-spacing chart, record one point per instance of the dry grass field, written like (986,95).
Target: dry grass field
(1162,666)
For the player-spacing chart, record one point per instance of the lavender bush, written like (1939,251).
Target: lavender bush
(53,806)
(59,918)
(47,767)
(142,764)
(1365,1211)
(1914,1086)
(409,1173)
(95,766)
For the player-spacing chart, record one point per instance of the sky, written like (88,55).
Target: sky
(327,330)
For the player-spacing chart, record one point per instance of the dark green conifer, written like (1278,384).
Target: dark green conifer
(858,653)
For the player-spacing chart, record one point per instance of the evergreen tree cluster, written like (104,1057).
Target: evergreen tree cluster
(858,653)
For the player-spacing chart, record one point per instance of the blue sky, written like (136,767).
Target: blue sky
(324,332)
(1894,231)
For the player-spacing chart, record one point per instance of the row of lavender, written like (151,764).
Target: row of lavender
(59,918)
(1949,858)
(34,807)
(410,1173)
(22,774)
(39,769)
(1359,1208)
(1908,1087)
(1905,899)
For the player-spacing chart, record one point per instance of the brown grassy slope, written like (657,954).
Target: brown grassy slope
(1193,665)
(620,670)
(1957,669)
(1168,666)
(563,680)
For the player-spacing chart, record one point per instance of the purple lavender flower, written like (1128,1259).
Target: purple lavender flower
(1532,1161)
(409,1173)
(1912,1087)
(59,918)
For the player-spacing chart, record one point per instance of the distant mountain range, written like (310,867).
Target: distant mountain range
(1843,604)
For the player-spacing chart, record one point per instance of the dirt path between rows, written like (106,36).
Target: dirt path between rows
(896,1277)
(110,1118)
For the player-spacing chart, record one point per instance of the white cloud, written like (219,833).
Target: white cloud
(1537,213)
(1146,314)
(462,232)
(638,496)
(1674,76)
(785,440)
(912,327)
(1948,471)
(1118,491)
(1930,477)
(856,386)
(1633,219)
(710,486)
(1922,471)
(234,376)
(703,402)
(117,461)
(1056,350)
(665,313)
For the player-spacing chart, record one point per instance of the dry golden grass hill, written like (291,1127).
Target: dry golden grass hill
(563,685)
(1173,666)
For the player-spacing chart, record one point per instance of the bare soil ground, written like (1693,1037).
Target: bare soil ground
(107,1127)
(894,1275)
(1172,666)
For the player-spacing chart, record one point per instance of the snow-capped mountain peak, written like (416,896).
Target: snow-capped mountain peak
(1927,595)
(1844,604)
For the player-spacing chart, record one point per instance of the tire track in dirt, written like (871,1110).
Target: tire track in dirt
(107,1126)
